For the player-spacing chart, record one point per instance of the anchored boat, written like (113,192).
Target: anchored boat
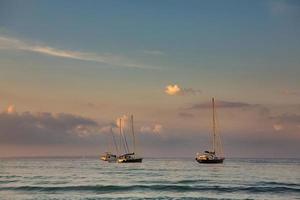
(129,157)
(108,156)
(216,154)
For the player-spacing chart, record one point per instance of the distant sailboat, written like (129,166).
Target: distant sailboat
(216,154)
(129,157)
(109,156)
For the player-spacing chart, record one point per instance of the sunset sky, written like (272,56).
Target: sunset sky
(70,69)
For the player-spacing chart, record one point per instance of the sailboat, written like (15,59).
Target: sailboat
(129,157)
(108,156)
(216,154)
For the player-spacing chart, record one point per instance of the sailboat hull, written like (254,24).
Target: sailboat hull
(210,161)
(109,158)
(134,160)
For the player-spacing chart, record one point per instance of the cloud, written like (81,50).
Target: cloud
(107,129)
(277,127)
(126,126)
(221,104)
(190,91)
(185,115)
(83,130)
(172,89)
(146,129)
(288,118)
(155,129)
(110,59)
(45,128)
(11,109)
(29,128)
(288,122)
(47,131)
(176,90)
(124,121)
(290,92)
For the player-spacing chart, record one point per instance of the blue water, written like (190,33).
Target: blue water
(90,178)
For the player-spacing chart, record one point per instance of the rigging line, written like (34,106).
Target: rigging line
(133,136)
(114,140)
(125,140)
(219,137)
(214,125)
(122,137)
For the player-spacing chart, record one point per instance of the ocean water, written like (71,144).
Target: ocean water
(90,178)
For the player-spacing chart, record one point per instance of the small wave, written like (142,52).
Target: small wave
(273,183)
(190,181)
(167,197)
(166,182)
(7,181)
(184,181)
(11,176)
(170,188)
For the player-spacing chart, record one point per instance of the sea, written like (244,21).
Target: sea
(163,178)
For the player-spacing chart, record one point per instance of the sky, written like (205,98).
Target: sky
(70,69)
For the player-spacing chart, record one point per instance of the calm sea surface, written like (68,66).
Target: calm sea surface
(90,178)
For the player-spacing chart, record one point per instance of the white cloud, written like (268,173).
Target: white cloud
(83,130)
(11,109)
(146,129)
(190,91)
(155,129)
(277,127)
(173,90)
(124,121)
(110,59)
(177,90)
(106,129)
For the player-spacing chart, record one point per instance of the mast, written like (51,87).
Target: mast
(214,125)
(125,144)
(121,136)
(133,136)
(114,140)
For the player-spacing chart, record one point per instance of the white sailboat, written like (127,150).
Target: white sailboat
(216,154)
(109,156)
(129,157)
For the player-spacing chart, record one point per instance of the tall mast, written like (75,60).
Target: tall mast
(133,136)
(121,135)
(214,125)
(124,138)
(114,140)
